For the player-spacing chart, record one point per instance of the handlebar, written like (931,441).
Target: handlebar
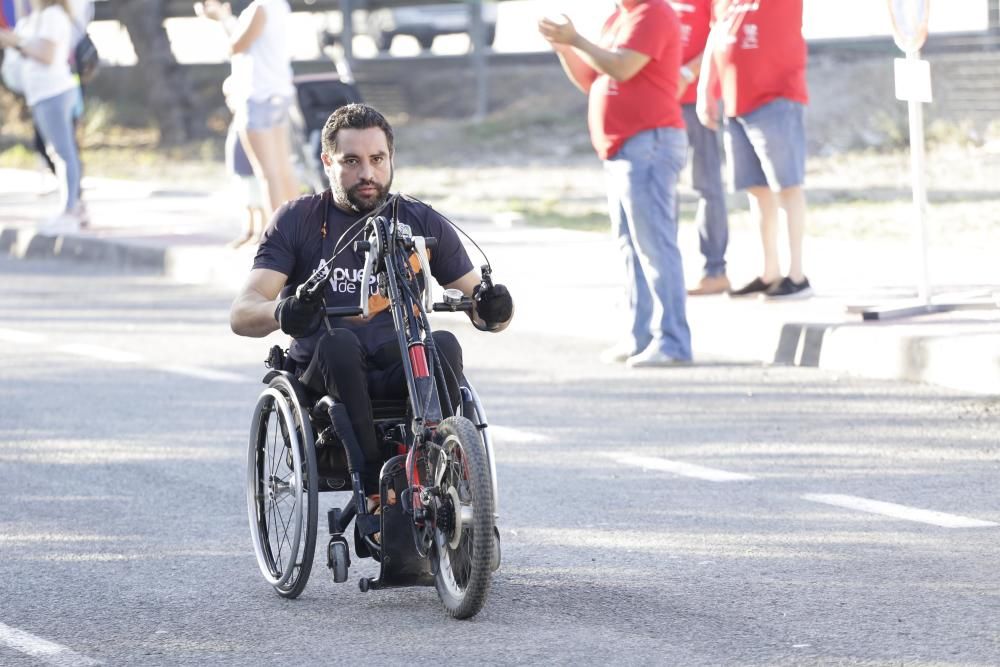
(464,306)
(343,311)
(430,242)
(312,288)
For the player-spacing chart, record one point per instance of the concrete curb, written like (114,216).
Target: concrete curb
(963,360)
(24,243)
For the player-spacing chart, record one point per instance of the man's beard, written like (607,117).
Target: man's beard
(352,200)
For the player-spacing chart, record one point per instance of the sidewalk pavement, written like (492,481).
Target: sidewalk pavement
(568,283)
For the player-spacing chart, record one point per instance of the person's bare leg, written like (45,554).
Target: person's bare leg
(246,233)
(793,202)
(260,223)
(271,164)
(289,181)
(764,209)
(255,142)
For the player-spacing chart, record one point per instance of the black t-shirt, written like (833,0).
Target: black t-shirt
(294,245)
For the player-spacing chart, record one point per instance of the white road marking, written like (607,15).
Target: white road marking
(207,374)
(508,434)
(44,650)
(897,511)
(678,468)
(100,353)
(20,337)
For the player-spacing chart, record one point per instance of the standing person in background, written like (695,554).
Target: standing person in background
(262,90)
(44,39)
(247,189)
(81,12)
(758,55)
(706,154)
(244,183)
(637,128)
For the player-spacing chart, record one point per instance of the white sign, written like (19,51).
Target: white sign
(909,23)
(913,80)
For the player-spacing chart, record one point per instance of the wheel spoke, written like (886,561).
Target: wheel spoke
(460,558)
(273,542)
(272,450)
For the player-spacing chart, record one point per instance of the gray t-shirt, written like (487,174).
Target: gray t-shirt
(294,244)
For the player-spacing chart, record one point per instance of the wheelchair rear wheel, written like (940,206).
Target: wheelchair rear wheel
(463,535)
(282,489)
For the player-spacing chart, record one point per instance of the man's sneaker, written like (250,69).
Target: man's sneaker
(711,285)
(64,223)
(617,354)
(753,288)
(788,289)
(652,357)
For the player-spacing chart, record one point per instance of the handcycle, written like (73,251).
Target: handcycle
(436,520)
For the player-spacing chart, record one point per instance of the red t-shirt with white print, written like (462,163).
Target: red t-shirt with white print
(763,56)
(696,21)
(618,110)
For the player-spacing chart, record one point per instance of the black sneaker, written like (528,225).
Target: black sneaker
(755,286)
(787,288)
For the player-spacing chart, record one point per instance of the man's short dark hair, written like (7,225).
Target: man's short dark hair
(354,117)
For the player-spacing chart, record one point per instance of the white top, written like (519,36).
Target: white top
(83,12)
(43,81)
(265,69)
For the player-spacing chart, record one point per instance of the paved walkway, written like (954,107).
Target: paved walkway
(569,282)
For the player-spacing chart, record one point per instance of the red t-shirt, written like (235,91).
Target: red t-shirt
(764,57)
(696,21)
(620,110)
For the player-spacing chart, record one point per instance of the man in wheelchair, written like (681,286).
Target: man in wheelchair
(357,359)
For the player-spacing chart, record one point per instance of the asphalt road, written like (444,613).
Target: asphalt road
(701,515)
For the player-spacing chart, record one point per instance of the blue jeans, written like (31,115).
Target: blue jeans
(54,119)
(642,201)
(706,177)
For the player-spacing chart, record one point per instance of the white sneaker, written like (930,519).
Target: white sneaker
(617,354)
(653,358)
(64,223)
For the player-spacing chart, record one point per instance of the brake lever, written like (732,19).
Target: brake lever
(487,281)
(372,251)
(311,289)
(485,284)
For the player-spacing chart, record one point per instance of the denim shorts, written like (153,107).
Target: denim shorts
(264,114)
(767,147)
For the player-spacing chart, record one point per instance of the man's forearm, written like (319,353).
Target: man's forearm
(708,72)
(579,73)
(253,316)
(602,61)
(695,64)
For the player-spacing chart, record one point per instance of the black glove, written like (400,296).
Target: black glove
(493,304)
(297,317)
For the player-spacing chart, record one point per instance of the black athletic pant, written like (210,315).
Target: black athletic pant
(341,368)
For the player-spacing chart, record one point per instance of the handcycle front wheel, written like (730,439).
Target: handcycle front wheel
(463,537)
(281,489)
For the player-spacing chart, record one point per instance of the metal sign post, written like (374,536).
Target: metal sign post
(912,71)
(913,85)
(477,34)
